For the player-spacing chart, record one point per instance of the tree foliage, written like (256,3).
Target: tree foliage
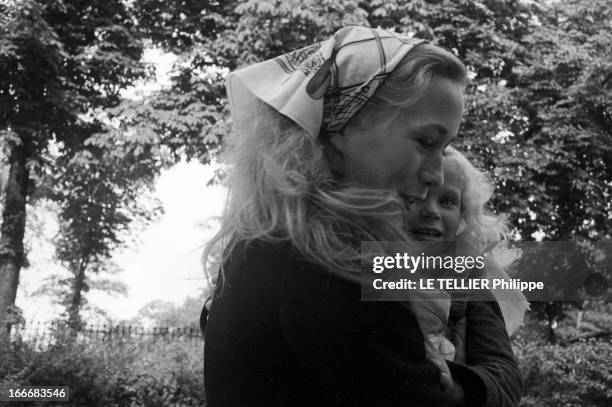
(210,38)
(538,117)
(167,314)
(62,64)
(101,190)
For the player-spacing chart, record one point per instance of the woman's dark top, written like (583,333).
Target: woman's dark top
(285,332)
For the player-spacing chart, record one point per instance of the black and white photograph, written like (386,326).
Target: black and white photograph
(236,203)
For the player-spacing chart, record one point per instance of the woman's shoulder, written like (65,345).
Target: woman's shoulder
(282,268)
(258,251)
(258,261)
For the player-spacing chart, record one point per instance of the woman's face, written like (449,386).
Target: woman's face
(401,149)
(437,217)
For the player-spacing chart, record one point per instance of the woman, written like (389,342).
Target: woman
(330,142)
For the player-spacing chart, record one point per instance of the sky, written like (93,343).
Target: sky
(165,263)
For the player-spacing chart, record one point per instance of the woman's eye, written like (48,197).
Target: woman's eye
(426,142)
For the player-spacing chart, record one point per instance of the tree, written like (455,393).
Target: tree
(100,190)
(60,63)
(563,155)
(571,272)
(191,118)
(167,314)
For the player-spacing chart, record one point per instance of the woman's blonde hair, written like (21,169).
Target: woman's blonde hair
(482,227)
(281,187)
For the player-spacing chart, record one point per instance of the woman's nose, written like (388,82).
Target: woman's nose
(432,174)
(433,178)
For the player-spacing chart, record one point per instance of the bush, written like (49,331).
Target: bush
(576,375)
(161,373)
(170,373)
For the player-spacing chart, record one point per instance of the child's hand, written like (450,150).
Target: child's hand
(433,354)
(443,345)
(459,339)
(452,389)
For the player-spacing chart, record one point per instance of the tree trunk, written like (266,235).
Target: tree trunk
(12,231)
(552,337)
(76,298)
(579,319)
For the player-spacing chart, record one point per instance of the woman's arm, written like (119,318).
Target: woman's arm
(372,353)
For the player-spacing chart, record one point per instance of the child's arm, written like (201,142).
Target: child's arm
(488,353)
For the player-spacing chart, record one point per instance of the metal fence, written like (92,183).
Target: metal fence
(46,333)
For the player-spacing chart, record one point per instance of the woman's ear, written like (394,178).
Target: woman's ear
(337,141)
(333,154)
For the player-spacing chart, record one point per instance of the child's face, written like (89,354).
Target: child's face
(436,218)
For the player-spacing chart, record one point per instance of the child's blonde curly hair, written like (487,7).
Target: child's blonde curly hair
(479,225)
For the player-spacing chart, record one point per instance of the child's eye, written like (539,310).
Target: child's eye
(447,201)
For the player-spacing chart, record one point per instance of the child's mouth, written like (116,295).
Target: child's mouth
(426,234)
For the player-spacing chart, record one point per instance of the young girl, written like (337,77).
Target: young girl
(457,210)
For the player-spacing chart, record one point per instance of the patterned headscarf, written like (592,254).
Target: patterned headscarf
(322,86)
